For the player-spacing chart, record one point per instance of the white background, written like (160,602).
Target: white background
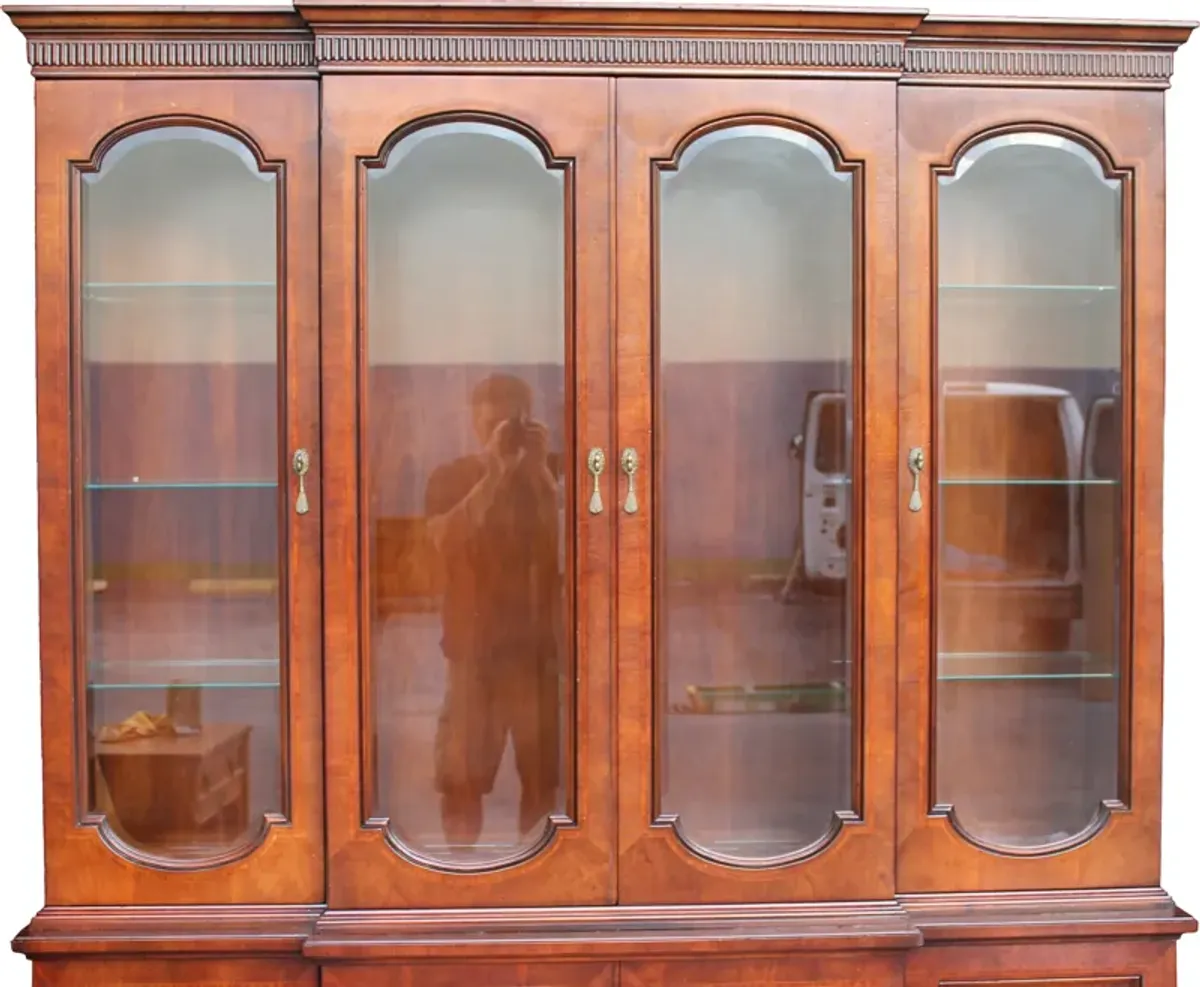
(20,769)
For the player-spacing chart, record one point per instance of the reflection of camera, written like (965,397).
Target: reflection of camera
(515,435)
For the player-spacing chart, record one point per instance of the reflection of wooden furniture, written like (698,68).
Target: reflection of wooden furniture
(682,214)
(178,788)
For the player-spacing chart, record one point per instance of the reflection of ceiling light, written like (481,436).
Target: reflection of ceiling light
(769,138)
(1031,138)
(412,141)
(178,135)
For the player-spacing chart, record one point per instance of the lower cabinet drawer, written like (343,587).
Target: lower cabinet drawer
(811,970)
(1109,963)
(470,975)
(175,973)
(807,970)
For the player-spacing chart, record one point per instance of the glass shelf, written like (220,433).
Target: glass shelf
(1015,655)
(173,285)
(174,293)
(185,485)
(1011,666)
(100,664)
(1025,482)
(132,686)
(1027,677)
(165,673)
(1093,288)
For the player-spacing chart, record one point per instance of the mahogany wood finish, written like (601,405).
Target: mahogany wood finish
(1122,849)
(164,972)
(1093,964)
(615,932)
(609,94)
(194,929)
(656,119)
(832,970)
(451,975)
(368,869)
(84,867)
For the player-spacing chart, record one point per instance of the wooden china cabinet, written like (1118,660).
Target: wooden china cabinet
(552,494)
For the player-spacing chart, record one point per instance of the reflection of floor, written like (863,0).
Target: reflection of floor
(745,784)
(1025,762)
(1027,733)
(409,679)
(755,784)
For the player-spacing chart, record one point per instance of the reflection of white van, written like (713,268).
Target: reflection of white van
(1102,447)
(1008,513)
(1009,455)
(822,449)
(1100,506)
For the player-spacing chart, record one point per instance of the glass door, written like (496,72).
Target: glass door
(756,683)
(194,502)
(474,590)
(1023,522)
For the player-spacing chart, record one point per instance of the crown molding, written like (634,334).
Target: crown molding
(1043,66)
(137,41)
(176,56)
(1048,53)
(608,53)
(609,37)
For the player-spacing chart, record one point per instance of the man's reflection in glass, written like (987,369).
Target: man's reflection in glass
(493,517)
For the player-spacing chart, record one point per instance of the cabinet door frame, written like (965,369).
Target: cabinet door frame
(84,866)
(367,868)
(655,117)
(935,122)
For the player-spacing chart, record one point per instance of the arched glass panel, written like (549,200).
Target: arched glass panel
(755,351)
(179,424)
(1028,510)
(464,441)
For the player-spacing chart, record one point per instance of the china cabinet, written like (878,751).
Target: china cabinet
(557,493)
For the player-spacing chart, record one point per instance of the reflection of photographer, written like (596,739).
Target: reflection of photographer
(493,517)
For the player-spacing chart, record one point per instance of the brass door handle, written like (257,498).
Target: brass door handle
(595,465)
(916,463)
(629,465)
(300,464)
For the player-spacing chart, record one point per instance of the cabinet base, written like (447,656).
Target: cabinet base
(1102,938)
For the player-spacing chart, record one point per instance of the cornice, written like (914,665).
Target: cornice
(177,56)
(137,41)
(941,64)
(1041,52)
(604,37)
(609,53)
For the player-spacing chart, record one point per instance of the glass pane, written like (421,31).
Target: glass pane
(755,344)
(465,434)
(1029,336)
(180,492)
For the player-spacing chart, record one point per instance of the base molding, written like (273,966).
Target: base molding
(606,932)
(1058,915)
(612,932)
(178,930)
